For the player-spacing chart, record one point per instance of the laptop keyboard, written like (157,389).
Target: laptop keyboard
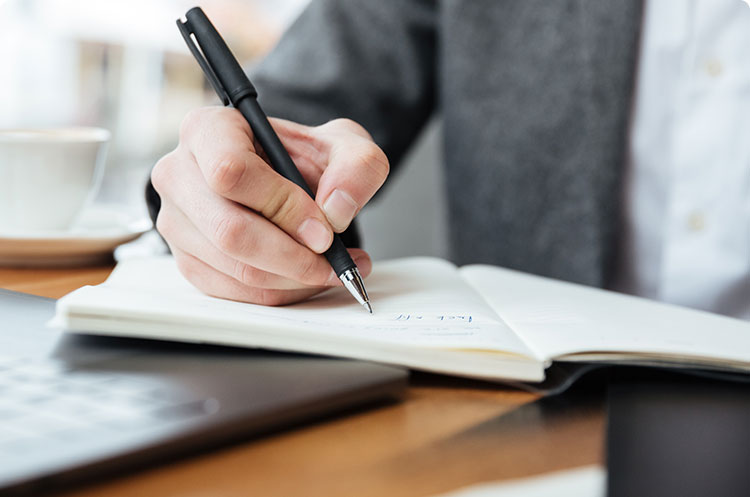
(42,402)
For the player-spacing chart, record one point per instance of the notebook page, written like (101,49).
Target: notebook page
(557,318)
(421,302)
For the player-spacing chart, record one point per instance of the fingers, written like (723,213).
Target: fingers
(231,229)
(217,284)
(187,239)
(238,229)
(339,161)
(356,169)
(223,149)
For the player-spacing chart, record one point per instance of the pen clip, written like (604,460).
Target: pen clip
(207,69)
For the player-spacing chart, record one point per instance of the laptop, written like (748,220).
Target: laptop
(80,407)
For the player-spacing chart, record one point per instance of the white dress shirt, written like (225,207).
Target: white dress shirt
(687,186)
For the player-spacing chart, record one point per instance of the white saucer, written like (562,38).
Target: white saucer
(92,240)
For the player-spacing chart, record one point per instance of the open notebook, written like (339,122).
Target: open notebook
(476,321)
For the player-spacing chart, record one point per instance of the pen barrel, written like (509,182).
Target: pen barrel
(223,66)
(338,257)
(283,164)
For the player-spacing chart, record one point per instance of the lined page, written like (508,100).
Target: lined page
(559,319)
(417,302)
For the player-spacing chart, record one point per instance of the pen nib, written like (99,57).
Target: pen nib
(353,282)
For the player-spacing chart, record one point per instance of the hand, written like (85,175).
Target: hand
(241,231)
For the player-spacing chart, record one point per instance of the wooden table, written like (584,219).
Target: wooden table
(447,433)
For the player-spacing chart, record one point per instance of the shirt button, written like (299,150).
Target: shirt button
(696,222)
(714,68)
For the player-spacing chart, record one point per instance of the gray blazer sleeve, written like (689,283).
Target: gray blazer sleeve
(372,61)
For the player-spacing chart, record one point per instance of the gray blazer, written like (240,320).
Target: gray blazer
(535,95)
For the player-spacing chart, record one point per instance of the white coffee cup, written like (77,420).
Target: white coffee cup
(47,176)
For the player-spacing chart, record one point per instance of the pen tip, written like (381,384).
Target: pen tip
(368,307)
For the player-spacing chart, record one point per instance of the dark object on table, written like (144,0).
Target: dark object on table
(678,436)
(80,407)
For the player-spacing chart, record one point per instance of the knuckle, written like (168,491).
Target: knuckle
(304,270)
(348,125)
(271,297)
(282,207)
(229,233)
(243,273)
(225,173)
(374,160)
(343,122)
(248,275)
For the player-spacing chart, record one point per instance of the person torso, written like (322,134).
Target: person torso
(687,184)
(558,166)
(536,101)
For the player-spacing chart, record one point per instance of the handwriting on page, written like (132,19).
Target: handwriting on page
(416,322)
(435,318)
(420,326)
(432,307)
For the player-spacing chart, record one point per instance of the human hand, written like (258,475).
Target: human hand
(241,231)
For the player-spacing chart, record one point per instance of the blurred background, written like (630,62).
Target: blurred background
(122,65)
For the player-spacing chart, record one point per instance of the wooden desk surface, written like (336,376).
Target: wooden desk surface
(447,433)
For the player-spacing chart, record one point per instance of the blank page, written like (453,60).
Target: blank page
(559,319)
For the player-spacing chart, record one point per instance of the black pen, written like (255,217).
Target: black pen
(233,86)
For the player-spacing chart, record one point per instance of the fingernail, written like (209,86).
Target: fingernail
(340,209)
(315,235)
